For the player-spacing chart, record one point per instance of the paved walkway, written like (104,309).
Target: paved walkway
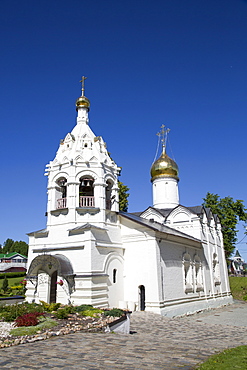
(155,343)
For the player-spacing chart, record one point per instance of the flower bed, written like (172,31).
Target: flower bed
(95,320)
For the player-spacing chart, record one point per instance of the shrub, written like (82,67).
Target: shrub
(50,307)
(62,313)
(12,274)
(70,309)
(92,312)
(16,287)
(28,319)
(83,307)
(115,312)
(5,284)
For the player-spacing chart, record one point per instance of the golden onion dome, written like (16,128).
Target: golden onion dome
(164,167)
(82,102)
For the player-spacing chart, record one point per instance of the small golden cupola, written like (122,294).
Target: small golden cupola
(164,166)
(82,101)
(164,177)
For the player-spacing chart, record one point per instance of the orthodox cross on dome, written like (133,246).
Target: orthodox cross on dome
(163,134)
(83,85)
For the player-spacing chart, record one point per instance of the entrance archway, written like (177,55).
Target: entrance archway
(43,273)
(142,304)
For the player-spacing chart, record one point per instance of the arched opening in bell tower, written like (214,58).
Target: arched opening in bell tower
(108,194)
(86,192)
(61,193)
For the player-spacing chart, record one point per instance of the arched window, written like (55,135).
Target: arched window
(198,274)
(86,192)
(188,273)
(108,194)
(114,276)
(216,270)
(61,193)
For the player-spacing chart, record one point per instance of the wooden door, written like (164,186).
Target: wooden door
(53,288)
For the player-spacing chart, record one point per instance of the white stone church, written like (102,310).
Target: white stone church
(168,259)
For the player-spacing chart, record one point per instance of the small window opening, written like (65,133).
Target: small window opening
(114,276)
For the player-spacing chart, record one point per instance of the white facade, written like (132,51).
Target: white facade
(168,259)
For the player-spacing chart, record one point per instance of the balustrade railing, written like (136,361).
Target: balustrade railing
(61,203)
(86,201)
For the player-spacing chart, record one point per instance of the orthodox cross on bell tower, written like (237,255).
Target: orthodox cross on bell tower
(83,85)
(163,134)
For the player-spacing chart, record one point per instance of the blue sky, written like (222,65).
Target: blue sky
(173,62)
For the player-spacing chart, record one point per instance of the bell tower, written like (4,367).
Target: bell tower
(82,178)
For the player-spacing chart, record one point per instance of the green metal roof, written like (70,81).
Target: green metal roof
(10,255)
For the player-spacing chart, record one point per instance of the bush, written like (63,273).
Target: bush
(12,274)
(5,284)
(62,313)
(70,309)
(92,312)
(83,307)
(28,319)
(16,287)
(115,312)
(50,307)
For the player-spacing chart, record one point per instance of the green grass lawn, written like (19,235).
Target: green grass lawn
(238,285)
(12,282)
(234,358)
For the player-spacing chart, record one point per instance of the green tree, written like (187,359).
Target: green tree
(10,246)
(20,247)
(230,212)
(7,245)
(5,284)
(123,196)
